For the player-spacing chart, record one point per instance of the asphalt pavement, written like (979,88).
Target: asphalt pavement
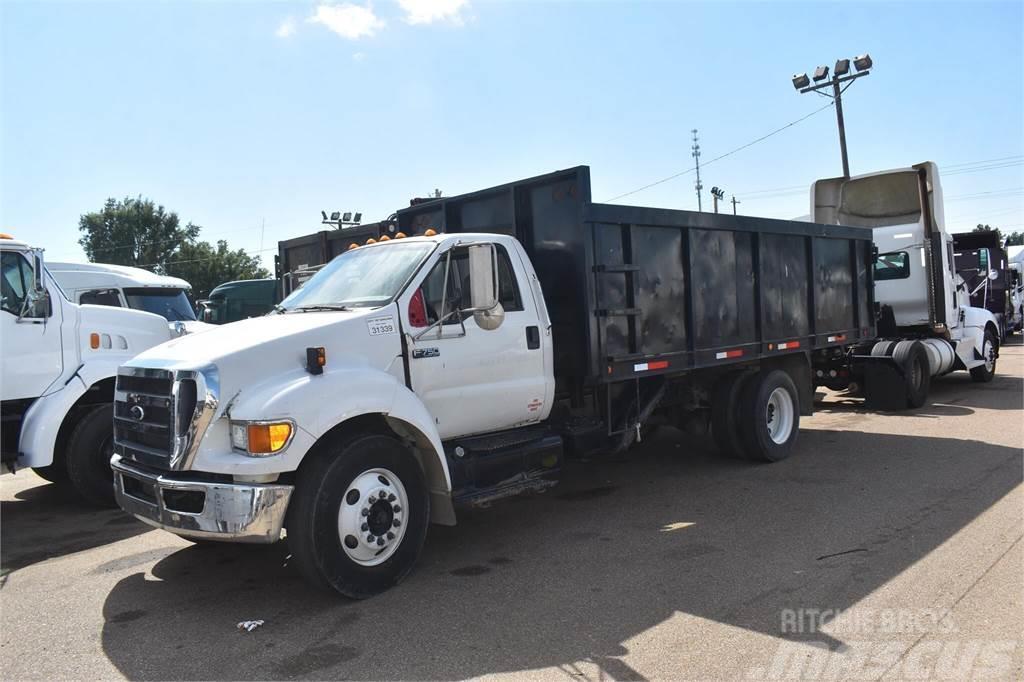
(888,546)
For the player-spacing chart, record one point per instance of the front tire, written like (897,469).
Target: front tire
(88,456)
(358,517)
(769,416)
(984,373)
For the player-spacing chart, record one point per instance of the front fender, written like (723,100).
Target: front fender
(316,404)
(45,417)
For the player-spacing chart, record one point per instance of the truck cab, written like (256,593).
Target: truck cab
(919,294)
(58,367)
(238,300)
(123,286)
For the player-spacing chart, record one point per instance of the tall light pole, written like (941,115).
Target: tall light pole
(840,74)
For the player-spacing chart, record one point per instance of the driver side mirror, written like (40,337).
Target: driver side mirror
(37,298)
(993,275)
(483,286)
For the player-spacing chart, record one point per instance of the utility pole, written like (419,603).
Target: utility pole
(841,74)
(696,158)
(734,202)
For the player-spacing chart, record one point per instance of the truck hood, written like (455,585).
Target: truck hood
(120,331)
(265,342)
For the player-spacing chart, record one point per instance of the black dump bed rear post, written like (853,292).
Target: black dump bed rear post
(634,292)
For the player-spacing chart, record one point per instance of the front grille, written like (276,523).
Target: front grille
(144,411)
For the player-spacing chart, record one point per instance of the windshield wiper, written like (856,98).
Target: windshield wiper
(279,309)
(321,306)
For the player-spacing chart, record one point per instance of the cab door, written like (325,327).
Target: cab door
(31,354)
(475,380)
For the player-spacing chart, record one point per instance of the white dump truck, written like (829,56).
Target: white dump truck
(523,325)
(59,360)
(123,286)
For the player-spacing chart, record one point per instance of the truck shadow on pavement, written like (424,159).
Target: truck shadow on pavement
(954,395)
(575,574)
(47,521)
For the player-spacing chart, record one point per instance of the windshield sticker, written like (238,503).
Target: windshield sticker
(381,325)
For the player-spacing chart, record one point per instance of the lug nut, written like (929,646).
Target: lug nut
(370,539)
(365,527)
(397,523)
(365,511)
(396,509)
(380,542)
(391,536)
(391,498)
(372,499)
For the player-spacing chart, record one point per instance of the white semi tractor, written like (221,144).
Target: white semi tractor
(58,361)
(524,325)
(123,286)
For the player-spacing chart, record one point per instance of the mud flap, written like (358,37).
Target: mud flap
(885,386)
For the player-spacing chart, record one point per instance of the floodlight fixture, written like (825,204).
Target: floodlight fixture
(324,214)
(800,80)
(842,67)
(347,218)
(820,73)
(863,62)
(335,215)
(358,217)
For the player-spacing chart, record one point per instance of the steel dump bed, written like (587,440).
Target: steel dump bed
(635,291)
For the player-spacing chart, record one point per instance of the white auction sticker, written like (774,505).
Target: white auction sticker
(381,325)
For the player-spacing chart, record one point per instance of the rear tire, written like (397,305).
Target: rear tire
(88,456)
(770,416)
(725,415)
(333,490)
(986,372)
(912,358)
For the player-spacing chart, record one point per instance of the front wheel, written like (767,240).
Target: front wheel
(88,456)
(358,516)
(984,373)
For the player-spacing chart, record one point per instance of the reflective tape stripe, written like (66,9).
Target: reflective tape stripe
(729,354)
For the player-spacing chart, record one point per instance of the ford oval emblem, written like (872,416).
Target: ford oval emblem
(137,413)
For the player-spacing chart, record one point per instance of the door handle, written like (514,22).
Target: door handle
(532,337)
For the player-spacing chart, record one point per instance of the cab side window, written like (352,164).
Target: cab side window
(459,295)
(108,297)
(14,282)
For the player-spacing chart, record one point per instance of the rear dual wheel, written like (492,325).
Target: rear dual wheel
(756,416)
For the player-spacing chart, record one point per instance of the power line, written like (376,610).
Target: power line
(729,153)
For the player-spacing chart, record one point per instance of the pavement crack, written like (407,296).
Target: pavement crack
(847,551)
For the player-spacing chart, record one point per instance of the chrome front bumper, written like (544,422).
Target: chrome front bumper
(232,512)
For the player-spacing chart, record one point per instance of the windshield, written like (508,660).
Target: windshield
(367,277)
(171,304)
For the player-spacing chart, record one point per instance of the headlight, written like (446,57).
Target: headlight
(263,437)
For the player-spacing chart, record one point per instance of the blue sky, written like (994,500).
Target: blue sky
(240,114)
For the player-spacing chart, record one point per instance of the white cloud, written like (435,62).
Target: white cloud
(348,20)
(358,56)
(286,29)
(430,11)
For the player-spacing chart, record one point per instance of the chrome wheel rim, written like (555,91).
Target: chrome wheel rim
(990,356)
(780,415)
(372,517)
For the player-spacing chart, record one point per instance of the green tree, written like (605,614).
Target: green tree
(133,232)
(204,266)
(140,233)
(1012,239)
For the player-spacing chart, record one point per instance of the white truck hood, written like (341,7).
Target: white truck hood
(269,342)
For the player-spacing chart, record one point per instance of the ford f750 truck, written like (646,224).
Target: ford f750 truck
(524,325)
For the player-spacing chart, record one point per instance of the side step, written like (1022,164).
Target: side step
(488,468)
